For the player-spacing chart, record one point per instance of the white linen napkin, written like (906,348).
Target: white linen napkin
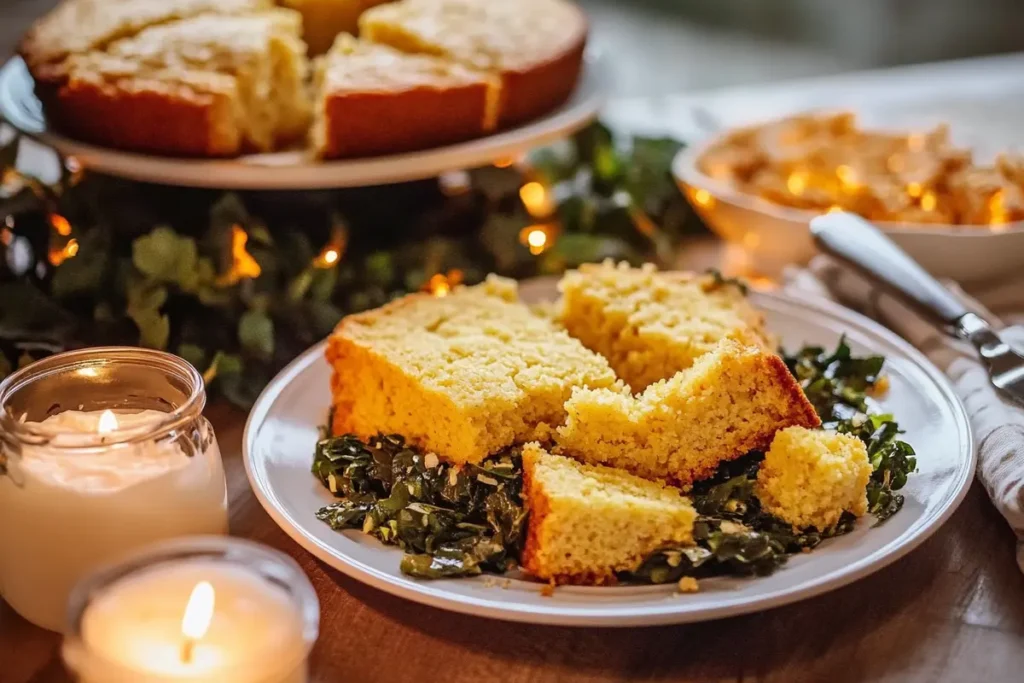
(998,424)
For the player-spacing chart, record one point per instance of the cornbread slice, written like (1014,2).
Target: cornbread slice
(262,52)
(810,477)
(324,20)
(650,324)
(588,522)
(463,375)
(198,112)
(78,26)
(535,46)
(732,400)
(374,99)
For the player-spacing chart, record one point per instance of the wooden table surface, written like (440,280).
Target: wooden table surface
(952,610)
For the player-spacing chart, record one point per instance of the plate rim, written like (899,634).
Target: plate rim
(626,616)
(260,172)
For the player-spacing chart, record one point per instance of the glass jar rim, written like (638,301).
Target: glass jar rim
(272,565)
(30,432)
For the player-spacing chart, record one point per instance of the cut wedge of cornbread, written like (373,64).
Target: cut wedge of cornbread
(324,20)
(260,53)
(810,477)
(535,46)
(732,400)
(463,375)
(588,522)
(651,324)
(373,99)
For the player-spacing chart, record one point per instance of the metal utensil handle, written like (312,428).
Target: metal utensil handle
(852,239)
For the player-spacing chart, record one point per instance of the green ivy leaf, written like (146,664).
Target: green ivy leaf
(166,257)
(223,365)
(196,355)
(256,333)
(144,303)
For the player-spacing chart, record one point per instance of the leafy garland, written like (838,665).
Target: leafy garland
(241,283)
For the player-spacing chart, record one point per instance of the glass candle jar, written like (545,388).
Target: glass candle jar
(102,451)
(194,610)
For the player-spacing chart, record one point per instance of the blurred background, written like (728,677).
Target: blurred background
(665,46)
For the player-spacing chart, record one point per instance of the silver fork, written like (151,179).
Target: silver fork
(855,241)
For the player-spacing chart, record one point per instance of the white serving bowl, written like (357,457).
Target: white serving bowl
(774,236)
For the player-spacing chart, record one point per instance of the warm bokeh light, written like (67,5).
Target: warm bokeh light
(702,197)
(835,208)
(107,423)
(914,190)
(6,236)
(505,162)
(198,611)
(243,265)
(332,252)
(929,201)
(797,182)
(536,199)
(846,175)
(441,284)
(58,256)
(60,224)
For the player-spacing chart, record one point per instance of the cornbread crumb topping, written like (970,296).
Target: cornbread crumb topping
(810,477)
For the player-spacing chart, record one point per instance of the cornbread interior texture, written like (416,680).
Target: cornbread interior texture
(588,522)
(731,401)
(650,324)
(357,83)
(262,52)
(810,477)
(463,375)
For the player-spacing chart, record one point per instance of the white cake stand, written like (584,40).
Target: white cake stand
(295,170)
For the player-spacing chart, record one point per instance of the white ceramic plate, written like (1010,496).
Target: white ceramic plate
(282,430)
(297,169)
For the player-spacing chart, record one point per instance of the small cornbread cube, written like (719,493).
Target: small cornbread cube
(462,375)
(651,324)
(588,522)
(810,477)
(729,402)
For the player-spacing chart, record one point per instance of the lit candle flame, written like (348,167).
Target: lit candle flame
(198,615)
(108,422)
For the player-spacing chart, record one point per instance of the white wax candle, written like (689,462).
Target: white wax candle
(136,629)
(66,512)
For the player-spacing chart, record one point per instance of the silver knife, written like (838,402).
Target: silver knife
(855,241)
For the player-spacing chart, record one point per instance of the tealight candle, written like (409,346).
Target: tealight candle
(197,610)
(102,451)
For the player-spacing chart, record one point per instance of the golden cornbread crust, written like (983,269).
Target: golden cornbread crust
(589,522)
(121,114)
(810,477)
(463,375)
(530,93)
(651,324)
(378,100)
(729,402)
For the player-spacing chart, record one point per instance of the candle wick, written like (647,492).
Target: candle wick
(187,649)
